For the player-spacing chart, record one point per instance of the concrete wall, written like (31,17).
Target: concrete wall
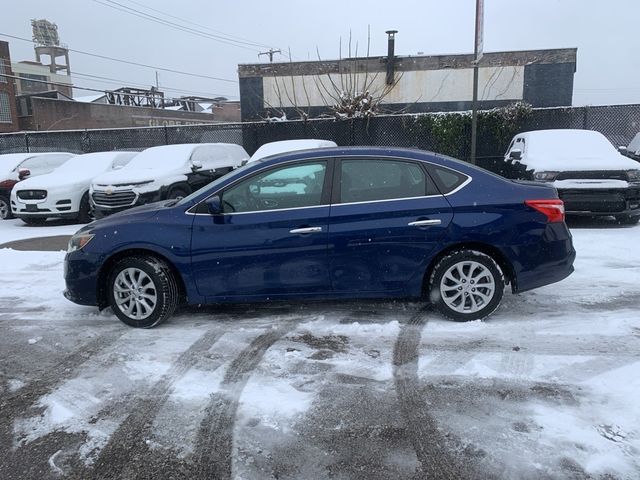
(8,89)
(542,78)
(50,114)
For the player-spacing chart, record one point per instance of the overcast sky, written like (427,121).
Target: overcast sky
(604,32)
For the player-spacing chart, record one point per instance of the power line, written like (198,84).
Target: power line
(128,62)
(122,82)
(152,18)
(69,85)
(248,42)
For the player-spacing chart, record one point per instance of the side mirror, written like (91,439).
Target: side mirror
(196,165)
(622,149)
(214,204)
(23,173)
(515,154)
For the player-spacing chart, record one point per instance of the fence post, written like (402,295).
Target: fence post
(26,142)
(86,142)
(585,118)
(166,135)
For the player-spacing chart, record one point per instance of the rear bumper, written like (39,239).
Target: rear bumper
(609,201)
(548,260)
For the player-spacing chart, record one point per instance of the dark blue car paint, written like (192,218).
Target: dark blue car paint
(365,249)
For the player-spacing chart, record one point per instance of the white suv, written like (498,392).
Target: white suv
(165,172)
(64,193)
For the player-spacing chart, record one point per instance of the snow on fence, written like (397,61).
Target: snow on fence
(619,123)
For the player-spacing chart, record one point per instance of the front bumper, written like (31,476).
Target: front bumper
(103,206)
(81,277)
(51,206)
(606,201)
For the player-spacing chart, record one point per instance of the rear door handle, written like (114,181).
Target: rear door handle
(425,223)
(306,230)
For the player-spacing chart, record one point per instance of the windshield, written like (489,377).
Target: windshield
(165,158)
(86,164)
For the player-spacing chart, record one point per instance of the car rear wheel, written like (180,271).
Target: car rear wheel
(466,285)
(142,291)
(5,208)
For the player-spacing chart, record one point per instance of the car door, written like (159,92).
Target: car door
(386,219)
(271,237)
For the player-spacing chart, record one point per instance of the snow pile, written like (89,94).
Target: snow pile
(274,148)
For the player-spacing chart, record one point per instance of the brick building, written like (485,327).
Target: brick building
(8,110)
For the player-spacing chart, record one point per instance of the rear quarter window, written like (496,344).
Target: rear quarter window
(447,180)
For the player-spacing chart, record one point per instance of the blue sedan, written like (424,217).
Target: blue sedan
(331,223)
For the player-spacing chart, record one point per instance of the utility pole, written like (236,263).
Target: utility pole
(271,52)
(477,55)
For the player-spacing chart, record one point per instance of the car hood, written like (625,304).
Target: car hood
(53,180)
(134,214)
(579,163)
(129,176)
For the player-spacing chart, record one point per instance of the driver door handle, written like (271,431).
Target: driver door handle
(306,230)
(425,223)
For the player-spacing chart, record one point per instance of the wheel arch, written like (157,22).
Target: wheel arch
(182,185)
(494,252)
(107,265)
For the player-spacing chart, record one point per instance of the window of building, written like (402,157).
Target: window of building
(5,108)
(3,71)
(30,83)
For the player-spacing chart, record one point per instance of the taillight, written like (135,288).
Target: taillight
(553,209)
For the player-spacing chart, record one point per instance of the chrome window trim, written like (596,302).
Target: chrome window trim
(457,189)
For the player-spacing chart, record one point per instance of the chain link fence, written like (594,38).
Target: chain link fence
(619,123)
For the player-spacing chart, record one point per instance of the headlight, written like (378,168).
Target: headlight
(633,175)
(78,241)
(545,176)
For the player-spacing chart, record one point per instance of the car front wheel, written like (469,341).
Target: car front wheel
(466,285)
(5,208)
(142,291)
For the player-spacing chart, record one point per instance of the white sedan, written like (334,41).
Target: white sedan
(64,193)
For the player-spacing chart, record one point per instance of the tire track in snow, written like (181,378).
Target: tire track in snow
(15,404)
(214,444)
(428,442)
(127,444)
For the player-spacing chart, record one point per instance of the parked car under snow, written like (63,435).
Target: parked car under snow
(18,166)
(64,193)
(164,172)
(274,148)
(591,176)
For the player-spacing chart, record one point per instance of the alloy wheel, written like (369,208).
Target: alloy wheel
(467,287)
(135,294)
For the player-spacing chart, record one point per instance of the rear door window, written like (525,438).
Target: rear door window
(368,180)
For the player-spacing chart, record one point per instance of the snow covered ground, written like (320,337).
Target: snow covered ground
(547,387)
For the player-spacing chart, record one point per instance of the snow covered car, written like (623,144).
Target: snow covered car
(165,172)
(591,176)
(64,193)
(357,222)
(273,148)
(633,149)
(18,166)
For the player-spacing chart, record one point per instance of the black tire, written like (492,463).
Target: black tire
(161,282)
(177,192)
(628,219)
(84,213)
(469,286)
(5,208)
(34,221)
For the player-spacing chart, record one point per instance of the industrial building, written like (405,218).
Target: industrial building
(542,78)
